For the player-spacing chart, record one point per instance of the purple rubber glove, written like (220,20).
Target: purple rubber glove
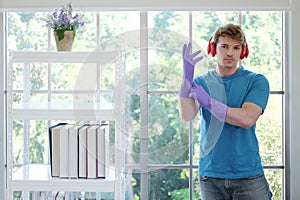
(218,109)
(189,61)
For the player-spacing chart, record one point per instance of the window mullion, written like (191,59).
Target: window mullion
(144,105)
(191,146)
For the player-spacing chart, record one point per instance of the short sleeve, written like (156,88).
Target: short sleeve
(259,91)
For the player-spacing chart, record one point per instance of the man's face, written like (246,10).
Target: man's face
(228,52)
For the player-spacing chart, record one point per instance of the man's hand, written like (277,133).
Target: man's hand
(218,109)
(189,61)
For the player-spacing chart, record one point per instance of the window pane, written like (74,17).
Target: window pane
(119,30)
(169,184)
(165,69)
(26,31)
(64,76)
(196,185)
(136,186)
(275,180)
(30,142)
(29,76)
(168,31)
(168,134)
(17,76)
(133,119)
(264,36)
(269,132)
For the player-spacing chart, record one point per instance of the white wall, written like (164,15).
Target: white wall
(294,100)
(2,108)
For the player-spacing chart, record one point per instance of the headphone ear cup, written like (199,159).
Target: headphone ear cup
(208,48)
(245,52)
(211,49)
(242,53)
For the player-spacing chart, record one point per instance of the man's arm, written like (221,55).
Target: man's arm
(188,108)
(244,117)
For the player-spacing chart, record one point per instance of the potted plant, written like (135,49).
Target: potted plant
(64,24)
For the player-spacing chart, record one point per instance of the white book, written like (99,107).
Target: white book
(51,195)
(73,151)
(107,166)
(102,151)
(82,152)
(60,196)
(68,196)
(55,151)
(36,195)
(64,151)
(43,196)
(91,137)
(75,195)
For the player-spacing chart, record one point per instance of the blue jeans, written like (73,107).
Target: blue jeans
(252,188)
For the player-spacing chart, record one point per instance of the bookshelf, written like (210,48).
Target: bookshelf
(62,111)
(36,177)
(28,177)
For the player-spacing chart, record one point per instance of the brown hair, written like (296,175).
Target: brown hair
(231,30)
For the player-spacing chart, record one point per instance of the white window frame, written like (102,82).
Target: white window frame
(153,5)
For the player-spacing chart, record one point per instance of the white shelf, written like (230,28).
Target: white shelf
(36,177)
(62,111)
(63,57)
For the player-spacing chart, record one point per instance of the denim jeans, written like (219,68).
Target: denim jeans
(251,188)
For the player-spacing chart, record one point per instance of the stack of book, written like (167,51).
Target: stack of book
(79,151)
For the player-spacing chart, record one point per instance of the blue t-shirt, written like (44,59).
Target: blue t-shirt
(235,151)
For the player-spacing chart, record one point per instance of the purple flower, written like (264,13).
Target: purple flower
(63,19)
(76,16)
(69,6)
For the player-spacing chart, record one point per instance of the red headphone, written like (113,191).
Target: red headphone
(211,49)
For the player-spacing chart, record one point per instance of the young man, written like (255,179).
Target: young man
(230,100)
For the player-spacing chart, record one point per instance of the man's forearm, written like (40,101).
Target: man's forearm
(215,107)
(188,108)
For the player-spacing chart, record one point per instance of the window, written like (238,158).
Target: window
(158,141)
